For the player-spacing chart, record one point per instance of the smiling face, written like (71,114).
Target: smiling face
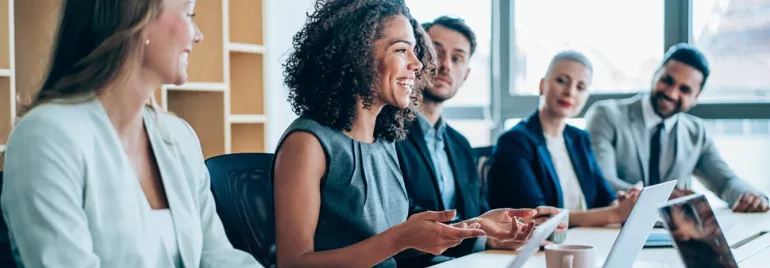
(565,89)
(170,39)
(397,62)
(453,51)
(676,87)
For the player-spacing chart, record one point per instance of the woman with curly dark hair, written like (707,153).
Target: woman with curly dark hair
(339,196)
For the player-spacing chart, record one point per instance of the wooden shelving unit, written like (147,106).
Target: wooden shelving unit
(247,118)
(223,99)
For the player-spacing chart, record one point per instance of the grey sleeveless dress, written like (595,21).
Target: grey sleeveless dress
(362,193)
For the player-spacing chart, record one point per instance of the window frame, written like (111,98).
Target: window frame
(503,105)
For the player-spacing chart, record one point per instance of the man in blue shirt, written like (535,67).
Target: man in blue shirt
(437,161)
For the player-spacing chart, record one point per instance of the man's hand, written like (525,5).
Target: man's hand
(544,213)
(750,202)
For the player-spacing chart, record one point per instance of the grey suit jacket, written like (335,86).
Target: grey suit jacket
(621,144)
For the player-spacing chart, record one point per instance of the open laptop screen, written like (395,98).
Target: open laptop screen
(696,233)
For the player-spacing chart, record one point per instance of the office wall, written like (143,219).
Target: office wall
(283,21)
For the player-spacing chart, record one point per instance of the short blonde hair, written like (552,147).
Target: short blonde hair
(570,55)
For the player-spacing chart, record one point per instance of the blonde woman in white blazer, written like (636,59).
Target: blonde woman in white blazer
(96,177)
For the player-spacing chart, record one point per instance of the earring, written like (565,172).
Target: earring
(147,42)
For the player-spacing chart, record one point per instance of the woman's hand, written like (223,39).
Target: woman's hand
(505,224)
(426,232)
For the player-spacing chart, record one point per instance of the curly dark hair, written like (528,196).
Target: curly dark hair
(333,64)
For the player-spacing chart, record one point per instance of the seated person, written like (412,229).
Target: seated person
(544,161)
(649,139)
(95,174)
(340,199)
(437,162)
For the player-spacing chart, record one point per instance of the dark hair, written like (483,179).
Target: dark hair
(689,55)
(455,24)
(94,42)
(333,64)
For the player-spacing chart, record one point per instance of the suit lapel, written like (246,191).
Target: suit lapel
(417,137)
(641,137)
(169,167)
(545,155)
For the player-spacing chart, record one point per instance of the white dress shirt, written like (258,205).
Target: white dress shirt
(668,143)
(164,229)
(570,186)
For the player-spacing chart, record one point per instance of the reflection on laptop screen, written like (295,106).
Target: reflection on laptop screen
(696,233)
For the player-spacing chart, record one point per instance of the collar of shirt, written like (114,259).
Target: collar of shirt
(435,131)
(651,119)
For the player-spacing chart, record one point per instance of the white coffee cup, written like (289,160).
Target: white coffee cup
(570,256)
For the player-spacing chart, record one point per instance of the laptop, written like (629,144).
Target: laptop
(697,235)
(538,236)
(632,236)
(639,224)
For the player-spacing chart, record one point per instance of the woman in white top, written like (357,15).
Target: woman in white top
(543,161)
(95,176)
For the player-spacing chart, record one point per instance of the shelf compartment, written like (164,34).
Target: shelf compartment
(5,35)
(205,112)
(245,19)
(246,84)
(35,25)
(207,58)
(247,138)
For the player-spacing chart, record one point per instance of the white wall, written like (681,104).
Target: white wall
(282,21)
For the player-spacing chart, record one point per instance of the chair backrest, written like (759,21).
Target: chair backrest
(483,155)
(6,256)
(244,199)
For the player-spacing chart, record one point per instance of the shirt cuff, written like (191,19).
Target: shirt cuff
(480,245)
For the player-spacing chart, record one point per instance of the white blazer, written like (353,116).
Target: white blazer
(71,197)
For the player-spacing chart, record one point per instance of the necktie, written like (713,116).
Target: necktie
(655,144)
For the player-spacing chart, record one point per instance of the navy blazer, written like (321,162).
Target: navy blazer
(522,174)
(420,178)
(422,188)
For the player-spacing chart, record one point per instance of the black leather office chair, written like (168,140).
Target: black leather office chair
(244,199)
(6,257)
(483,155)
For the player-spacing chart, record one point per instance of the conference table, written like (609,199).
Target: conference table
(750,232)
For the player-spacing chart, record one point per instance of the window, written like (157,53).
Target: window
(623,40)
(745,146)
(735,36)
(475,92)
